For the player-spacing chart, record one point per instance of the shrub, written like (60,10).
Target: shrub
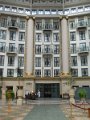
(82,93)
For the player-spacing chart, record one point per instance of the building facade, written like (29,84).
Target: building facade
(45,45)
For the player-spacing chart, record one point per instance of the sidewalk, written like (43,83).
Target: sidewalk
(74,113)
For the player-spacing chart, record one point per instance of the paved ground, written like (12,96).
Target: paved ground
(43,109)
(46,112)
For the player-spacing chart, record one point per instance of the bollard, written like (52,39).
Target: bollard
(89,112)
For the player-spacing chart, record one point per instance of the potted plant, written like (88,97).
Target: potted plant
(82,94)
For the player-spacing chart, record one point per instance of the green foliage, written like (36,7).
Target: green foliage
(10,94)
(82,93)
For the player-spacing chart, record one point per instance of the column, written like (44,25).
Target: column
(29,47)
(65,53)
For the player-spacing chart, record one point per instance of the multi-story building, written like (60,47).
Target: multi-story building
(44,44)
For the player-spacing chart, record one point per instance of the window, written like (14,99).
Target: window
(56,61)
(47,49)
(12,35)
(56,49)
(47,62)
(38,37)
(89,34)
(37,62)
(38,49)
(14,9)
(82,46)
(10,72)
(84,71)
(47,37)
(56,72)
(20,72)
(12,47)
(72,36)
(22,24)
(2,60)
(74,60)
(73,48)
(21,48)
(2,46)
(38,25)
(3,34)
(21,36)
(56,37)
(3,22)
(11,60)
(82,35)
(72,24)
(89,22)
(1,72)
(75,72)
(38,73)
(81,22)
(84,61)
(20,61)
(47,73)
(56,25)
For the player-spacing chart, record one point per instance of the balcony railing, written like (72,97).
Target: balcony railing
(47,27)
(13,25)
(83,50)
(82,25)
(12,50)
(47,52)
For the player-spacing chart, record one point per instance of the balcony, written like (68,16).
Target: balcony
(81,25)
(13,25)
(47,27)
(83,51)
(11,50)
(46,52)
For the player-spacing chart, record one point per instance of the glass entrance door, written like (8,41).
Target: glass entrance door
(48,90)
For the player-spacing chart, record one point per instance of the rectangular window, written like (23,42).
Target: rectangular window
(82,35)
(21,48)
(56,25)
(38,73)
(47,62)
(12,35)
(72,36)
(38,37)
(72,24)
(21,36)
(75,72)
(56,37)
(47,73)
(20,61)
(37,62)
(38,49)
(11,60)
(3,22)
(73,48)
(84,61)
(56,49)
(3,34)
(56,61)
(89,22)
(12,47)
(56,72)
(47,49)
(2,46)
(20,73)
(10,72)
(74,60)
(82,46)
(1,72)
(47,37)
(89,34)
(2,60)
(84,71)
(38,25)
(22,24)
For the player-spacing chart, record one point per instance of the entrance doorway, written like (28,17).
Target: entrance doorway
(48,90)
